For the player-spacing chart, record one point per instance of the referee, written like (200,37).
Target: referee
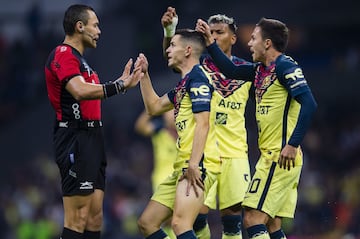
(75,93)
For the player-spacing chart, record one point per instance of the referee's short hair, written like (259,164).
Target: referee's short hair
(75,13)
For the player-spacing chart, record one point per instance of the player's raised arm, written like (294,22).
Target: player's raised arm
(154,104)
(169,21)
(227,67)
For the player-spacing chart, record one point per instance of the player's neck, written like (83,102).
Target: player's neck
(228,53)
(188,66)
(271,56)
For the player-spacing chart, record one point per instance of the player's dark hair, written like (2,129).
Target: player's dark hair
(73,14)
(276,31)
(221,18)
(193,36)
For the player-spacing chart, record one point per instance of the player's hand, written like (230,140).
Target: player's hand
(193,176)
(203,27)
(142,62)
(129,78)
(287,157)
(168,17)
(169,22)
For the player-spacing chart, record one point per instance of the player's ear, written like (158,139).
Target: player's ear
(268,43)
(233,39)
(188,50)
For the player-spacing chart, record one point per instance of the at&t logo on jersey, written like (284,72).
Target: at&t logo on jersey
(180,125)
(263,109)
(229,104)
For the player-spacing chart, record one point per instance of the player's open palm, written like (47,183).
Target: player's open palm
(142,62)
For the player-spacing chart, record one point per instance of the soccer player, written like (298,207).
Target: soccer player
(284,109)
(75,93)
(161,129)
(228,109)
(197,163)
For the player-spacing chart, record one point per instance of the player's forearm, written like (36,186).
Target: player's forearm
(199,141)
(307,110)
(228,68)
(165,45)
(150,97)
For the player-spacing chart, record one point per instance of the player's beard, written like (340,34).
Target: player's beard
(174,68)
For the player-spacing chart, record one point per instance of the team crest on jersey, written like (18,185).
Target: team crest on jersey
(63,48)
(264,78)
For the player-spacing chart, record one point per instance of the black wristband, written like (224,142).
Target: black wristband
(105,92)
(120,86)
(113,88)
(110,89)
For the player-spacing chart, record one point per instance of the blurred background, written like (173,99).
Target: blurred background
(324,39)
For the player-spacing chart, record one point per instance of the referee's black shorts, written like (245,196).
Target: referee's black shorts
(80,156)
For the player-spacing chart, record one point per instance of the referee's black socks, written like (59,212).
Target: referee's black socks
(70,234)
(92,235)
